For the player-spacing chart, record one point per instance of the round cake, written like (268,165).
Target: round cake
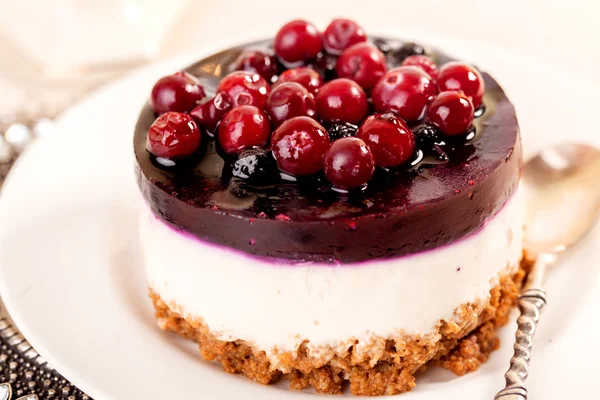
(331,207)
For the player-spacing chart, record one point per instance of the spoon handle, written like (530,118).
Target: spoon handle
(531,302)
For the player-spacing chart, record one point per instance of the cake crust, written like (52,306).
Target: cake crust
(385,366)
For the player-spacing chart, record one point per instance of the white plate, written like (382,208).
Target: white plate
(71,278)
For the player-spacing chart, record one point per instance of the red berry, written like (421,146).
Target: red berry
(451,112)
(245,88)
(424,62)
(405,91)
(298,41)
(299,145)
(242,128)
(349,163)
(209,114)
(289,100)
(178,92)
(342,100)
(258,62)
(307,77)
(463,77)
(363,63)
(173,135)
(389,138)
(342,33)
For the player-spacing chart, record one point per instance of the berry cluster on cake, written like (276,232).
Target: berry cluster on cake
(329,207)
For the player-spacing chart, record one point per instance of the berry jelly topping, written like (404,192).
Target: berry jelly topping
(424,62)
(407,50)
(349,163)
(299,145)
(289,100)
(460,76)
(338,131)
(404,91)
(209,114)
(178,92)
(389,138)
(427,136)
(297,42)
(451,112)
(307,77)
(259,62)
(256,166)
(245,88)
(342,33)
(244,127)
(342,100)
(173,135)
(364,63)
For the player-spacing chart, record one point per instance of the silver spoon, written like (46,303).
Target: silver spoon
(563,202)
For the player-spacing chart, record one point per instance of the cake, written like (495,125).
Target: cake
(332,209)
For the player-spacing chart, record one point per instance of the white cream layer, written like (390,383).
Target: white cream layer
(279,306)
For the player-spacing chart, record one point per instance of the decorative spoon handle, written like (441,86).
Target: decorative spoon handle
(531,302)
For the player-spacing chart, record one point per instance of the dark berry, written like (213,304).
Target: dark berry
(299,145)
(307,77)
(258,62)
(342,100)
(325,64)
(243,127)
(173,135)
(389,138)
(405,91)
(383,45)
(256,166)
(178,92)
(209,114)
(349,163)
(363,63)
(342,33)
(451,112)
(289,100)
(462,77)
(426,136)
(245,89)
(407,50)
(297,41)
(338,131)
(426,63)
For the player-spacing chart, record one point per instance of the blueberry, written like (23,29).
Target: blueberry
(338,131)
(383,45)
(426,136)
(255,166)
(408,49)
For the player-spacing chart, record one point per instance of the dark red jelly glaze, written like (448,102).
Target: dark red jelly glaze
(342,33)
(463,77)
(349,163)
(209,114)
(178,92)
(451,112)
(289,100)
(298,41)
(245,88)
(243,128)
(299,145)
(404,91)
(390,139)
(424,62)
(173,135)
(342,100)
(307,77)
(258,62)
(364,63)
(401,213)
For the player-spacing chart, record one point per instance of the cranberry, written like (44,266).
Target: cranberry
(307,77)
(363,63)
(178,92)
(245,88)
(426,63)
(342,100)
(299,145)
(258,62)
(289,100)
(348,163)
(463,77)
(389,138)
(342,33)
(242,128)
(209,114)
(297,41)
(405,91)
(173,135)
(451,112)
